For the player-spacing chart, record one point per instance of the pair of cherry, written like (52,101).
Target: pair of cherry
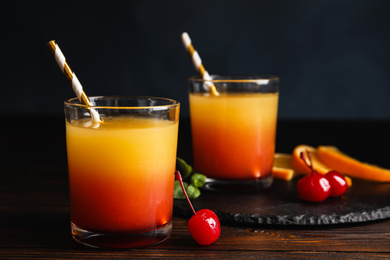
(316,187)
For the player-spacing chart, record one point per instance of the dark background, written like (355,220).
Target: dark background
(332,56)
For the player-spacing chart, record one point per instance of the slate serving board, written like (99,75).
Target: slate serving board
(280,205)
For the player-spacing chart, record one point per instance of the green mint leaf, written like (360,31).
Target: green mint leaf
(184,168)
(198,180)
(178,192)
(192,192)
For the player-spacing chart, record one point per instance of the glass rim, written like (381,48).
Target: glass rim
(173,103)
(236,78)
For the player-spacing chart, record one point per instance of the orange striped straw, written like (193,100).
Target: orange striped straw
(198,63)
(73,80)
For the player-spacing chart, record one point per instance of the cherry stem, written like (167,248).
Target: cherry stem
(302,155)
(179,178)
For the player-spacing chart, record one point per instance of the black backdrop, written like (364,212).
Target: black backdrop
(332,56)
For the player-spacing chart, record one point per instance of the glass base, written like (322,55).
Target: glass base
(121,240)
(238,186)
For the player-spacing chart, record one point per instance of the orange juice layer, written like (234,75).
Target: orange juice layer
(122,174)
(234,135)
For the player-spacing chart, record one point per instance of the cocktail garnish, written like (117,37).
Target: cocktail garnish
(204,225)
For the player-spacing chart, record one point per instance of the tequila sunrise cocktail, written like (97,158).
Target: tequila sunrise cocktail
(121,171)
(234,133)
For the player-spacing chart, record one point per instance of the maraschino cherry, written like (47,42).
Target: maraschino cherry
(337,182)
(313,187)
(204,225)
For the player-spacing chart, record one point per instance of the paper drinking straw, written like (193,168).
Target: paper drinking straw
(198,63)
(73,80)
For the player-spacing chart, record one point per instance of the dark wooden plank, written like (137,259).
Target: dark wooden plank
(178,254)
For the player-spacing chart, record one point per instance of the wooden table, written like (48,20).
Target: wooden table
(34,205)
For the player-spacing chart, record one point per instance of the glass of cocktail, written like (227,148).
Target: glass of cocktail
(121,170)
(233,133)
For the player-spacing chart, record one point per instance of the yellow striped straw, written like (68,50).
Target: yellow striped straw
(71,76)
(198,63)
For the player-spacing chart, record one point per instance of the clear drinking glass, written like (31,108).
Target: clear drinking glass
(233,133)
(121,170)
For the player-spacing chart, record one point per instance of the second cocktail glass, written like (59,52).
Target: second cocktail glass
(233,133)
